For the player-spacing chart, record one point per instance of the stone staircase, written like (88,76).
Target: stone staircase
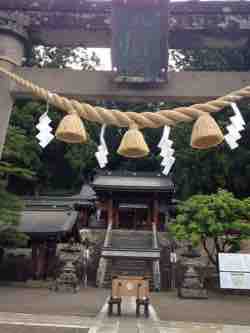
(131,239)
(129,266)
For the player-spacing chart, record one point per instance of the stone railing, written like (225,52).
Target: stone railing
(155,237)
(108,236)
(103,263)
(156,263)
(157,275)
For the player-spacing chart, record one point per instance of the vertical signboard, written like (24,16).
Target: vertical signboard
(140,40)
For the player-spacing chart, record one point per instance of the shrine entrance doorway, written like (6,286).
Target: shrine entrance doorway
(133,216)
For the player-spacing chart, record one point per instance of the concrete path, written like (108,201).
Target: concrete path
(127,323)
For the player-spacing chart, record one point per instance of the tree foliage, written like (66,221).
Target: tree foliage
(205,171)
(18,156)
(63,166)
(59,166)
(218,221)
(10,210)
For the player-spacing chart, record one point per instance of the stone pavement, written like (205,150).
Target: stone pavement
(26,310)
(127,323)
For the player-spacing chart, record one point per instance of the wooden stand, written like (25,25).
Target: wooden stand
(143,302)
(113,301)
(130,286)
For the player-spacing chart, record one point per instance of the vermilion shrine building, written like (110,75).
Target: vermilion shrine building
(128,200)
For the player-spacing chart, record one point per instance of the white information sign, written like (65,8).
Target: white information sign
(234,270)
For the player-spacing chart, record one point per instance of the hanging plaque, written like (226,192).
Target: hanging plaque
(140,40)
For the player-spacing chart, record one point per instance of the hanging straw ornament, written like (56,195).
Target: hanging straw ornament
(133,144)
(71,129)
(206,133)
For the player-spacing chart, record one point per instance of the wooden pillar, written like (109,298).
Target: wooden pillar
(156,211)
(117,215)
(134,219)
(11,54)
(34,257)
(41,260)
(110,211)
(149,217)
(50,256)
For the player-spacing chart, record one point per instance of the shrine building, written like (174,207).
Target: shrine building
(119,204)
(127,200)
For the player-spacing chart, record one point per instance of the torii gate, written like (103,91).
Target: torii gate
(88,23)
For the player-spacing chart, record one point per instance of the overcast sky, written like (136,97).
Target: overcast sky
(105,57)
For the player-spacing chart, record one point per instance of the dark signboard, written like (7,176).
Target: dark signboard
(139,40)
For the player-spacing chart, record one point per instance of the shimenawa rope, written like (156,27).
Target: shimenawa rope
(127,119)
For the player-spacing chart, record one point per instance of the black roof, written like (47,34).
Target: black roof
(132,181)
(85,197)
(47,221)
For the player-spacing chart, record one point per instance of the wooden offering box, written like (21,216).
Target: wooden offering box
(130,286)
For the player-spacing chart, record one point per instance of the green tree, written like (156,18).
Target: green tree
(17,156)
(59,166)
(10,212)
(218,221)
(206,171)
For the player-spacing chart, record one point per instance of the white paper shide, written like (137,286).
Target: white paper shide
(102,150)
(44,136)
(167,151)
(237,125)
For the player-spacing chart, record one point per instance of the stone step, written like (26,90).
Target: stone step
(128,267)
(131,239)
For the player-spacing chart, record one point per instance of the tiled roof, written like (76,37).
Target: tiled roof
(49,221)
(132,181)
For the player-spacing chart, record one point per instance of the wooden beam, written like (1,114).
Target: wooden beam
(98,85)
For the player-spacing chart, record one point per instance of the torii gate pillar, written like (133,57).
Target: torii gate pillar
(12,51)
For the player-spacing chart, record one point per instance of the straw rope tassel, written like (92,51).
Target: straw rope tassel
(206,133)
(124,119)
(71,129)
(133,144)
